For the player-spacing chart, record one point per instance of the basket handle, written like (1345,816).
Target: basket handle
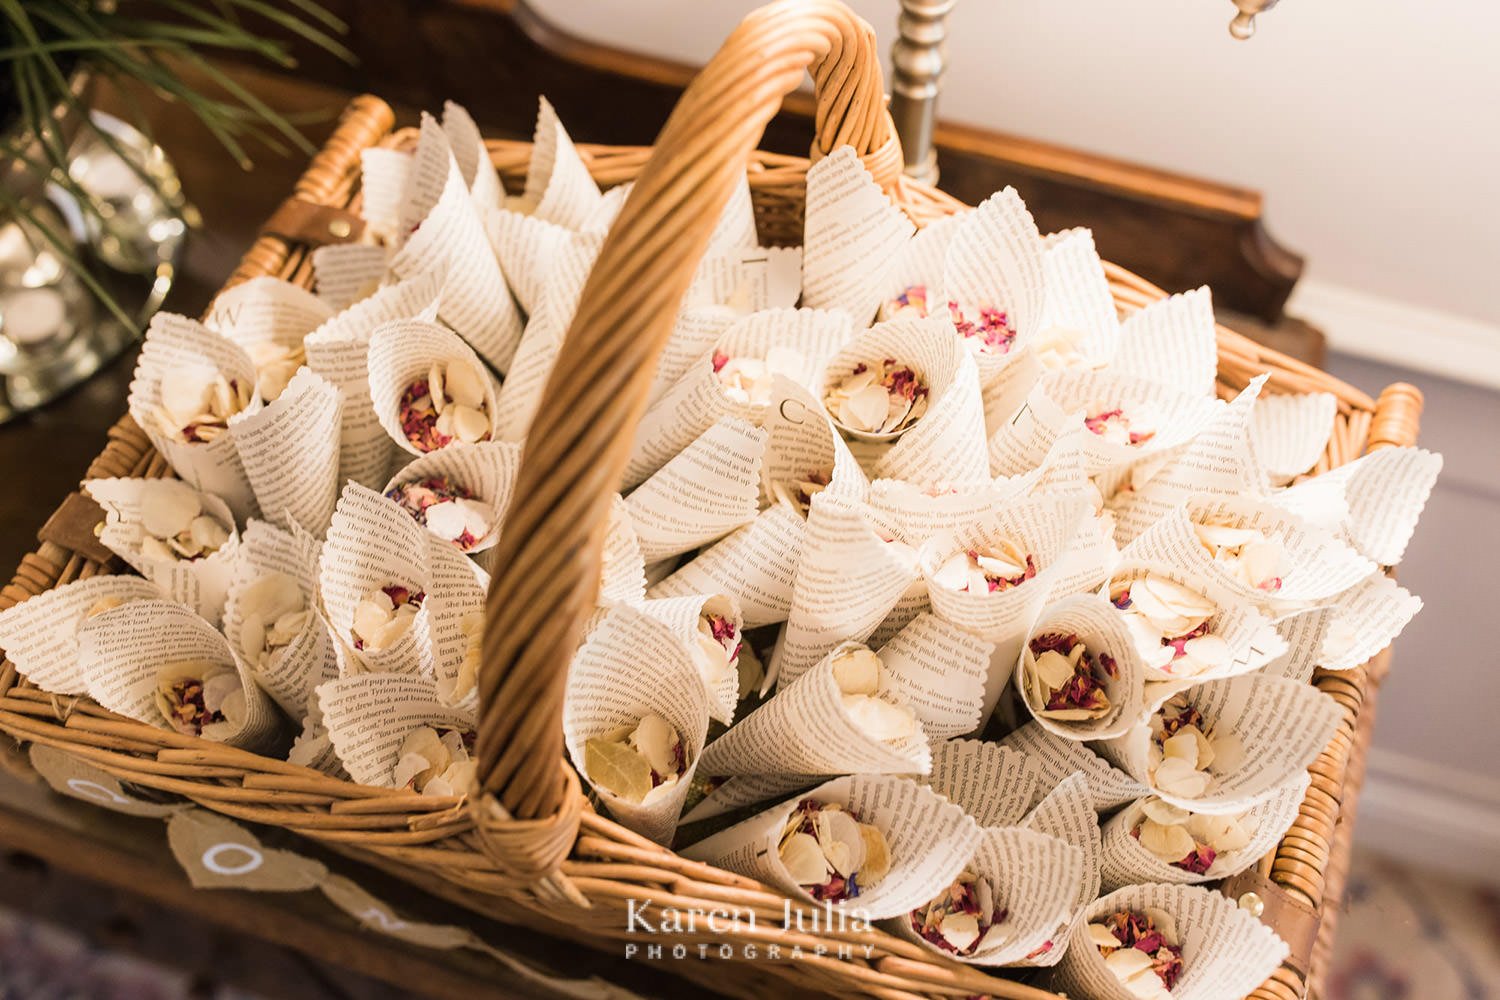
(550,551)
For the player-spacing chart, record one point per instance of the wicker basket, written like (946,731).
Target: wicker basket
(530,848)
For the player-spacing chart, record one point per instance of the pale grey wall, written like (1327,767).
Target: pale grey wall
(1441,703)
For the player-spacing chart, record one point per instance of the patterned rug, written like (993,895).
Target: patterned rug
(1410,934)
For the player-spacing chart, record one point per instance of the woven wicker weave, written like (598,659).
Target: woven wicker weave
(531,848)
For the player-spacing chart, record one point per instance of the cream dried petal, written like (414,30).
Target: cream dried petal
(984,896)
(656,740)
(1170,843)
(453,742)
(1161,611)
(168,507)
(877,861)
(1209,651)
(661,792)
(435,387)
(224,400)
(1182,600)
(859,381)
(1103,937)
(371,615)
(857,671)
(1001,566)
(1262,560)
(1053,669)
(1165,923)
(1163,812)
(954,572)
(838,835)
(751,670)
(1184,746)
(918,410)
(438,786)
(1205,748)
(1074,714)
(804,860)
(253,630)
(218,687)
(287,627)
(1147,986)
(186,391)
(465,384)
(184,546)
(897,409)
(446,520)
(712,659)
(408,767)
(1126,963)
(1145,633)
(1222,833)
(960,930)
(207,533)
(1177,777)
(272,596)
(154,549)
(423,742)
(460,776)
(476,517)
(879,719)
(391,632)
(866,409)
(272,379)
(469,425)
(978,583)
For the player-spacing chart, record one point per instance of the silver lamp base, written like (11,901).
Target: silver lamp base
(54,333)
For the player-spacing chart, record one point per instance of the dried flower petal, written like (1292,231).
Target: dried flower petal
(639,763)
(173,523)
(447,405)
(911,302)
(184,689)
(1246,554)
(197,402)
(1064,680)
(962,917)
(275,364)
(1115,426)
(384,615)
(798,494)
(748,380)
(860,848)
(273,613)
(857,671)
(984,328)
(986,570)
(1141,949)
(435,761)
(883,401)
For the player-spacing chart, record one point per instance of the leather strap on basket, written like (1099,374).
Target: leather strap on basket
(578,444)
(300,221)
(1294,920)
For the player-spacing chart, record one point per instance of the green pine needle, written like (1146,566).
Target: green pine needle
(45,44)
